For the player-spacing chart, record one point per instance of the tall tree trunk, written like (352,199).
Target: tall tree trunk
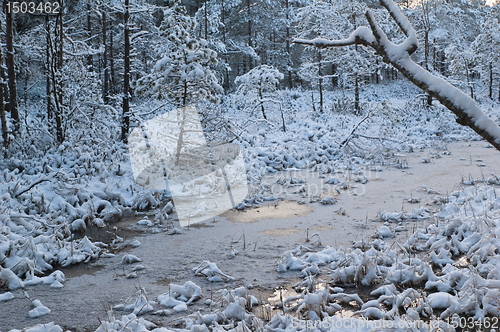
(290,83)
(57,74)
(250,60)
(60,60)
(106,67)
(53,83)
(126,76)
(112,62)
(11,69)
(312,101)
(223,14)
(469,83)
(26,81)
(180,141)
(426,52)
(434,63)
(262,104)
(356,76)
(320,81)
(48,70)
(3,118)
(206,20)
(54,69)
(356,93)
(5,130)
(249,24)
(89,31)
(335,80)
(490,83)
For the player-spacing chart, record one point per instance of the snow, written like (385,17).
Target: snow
(441,300)
(211,271)
(130,259)
(48,327)
(6,296)
(38,228)
(39,310)
(384,231)
(179,297)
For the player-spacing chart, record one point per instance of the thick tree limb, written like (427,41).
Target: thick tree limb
(361,36)
(464,107)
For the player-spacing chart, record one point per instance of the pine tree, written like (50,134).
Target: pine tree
(184,74)
(257,84)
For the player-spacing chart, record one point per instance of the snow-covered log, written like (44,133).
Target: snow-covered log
(464,107)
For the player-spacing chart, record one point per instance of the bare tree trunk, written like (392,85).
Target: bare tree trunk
(335,80)
(112,62)
(180,141)
(469,83)
(288,45)
(89,31)
(11,69)
(312,101)
(5,130)
(356,93)
(48,70)
(126,76)
(320,81)
(250,61)
(223,14)
(3,118)
(249,24)
(490,83)
(60,52)
(26,81)
(356,76)
(185,94)
(106,68)
(426,52)
(262,104)
(57,73)
(206,20)
(54,66)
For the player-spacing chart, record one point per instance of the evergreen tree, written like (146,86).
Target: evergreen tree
(184,74)
(257,84)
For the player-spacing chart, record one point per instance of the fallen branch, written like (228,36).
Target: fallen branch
(351,134)
(26,189)
(378,138)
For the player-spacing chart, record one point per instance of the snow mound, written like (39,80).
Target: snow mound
(212,272)
(39,310)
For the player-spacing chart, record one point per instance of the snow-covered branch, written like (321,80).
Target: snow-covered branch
(464,107)
(361,35)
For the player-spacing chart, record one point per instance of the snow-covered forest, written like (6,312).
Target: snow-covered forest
(250,165)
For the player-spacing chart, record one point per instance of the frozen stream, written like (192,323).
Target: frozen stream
(268,231)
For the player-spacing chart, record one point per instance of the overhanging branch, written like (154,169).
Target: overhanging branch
(464,107)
